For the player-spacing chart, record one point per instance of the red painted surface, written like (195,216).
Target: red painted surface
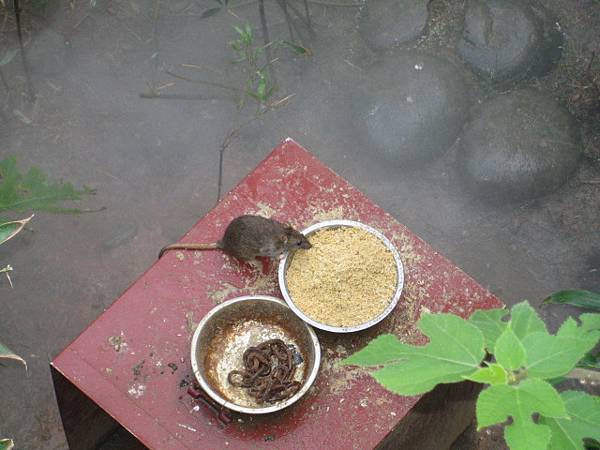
(345,409)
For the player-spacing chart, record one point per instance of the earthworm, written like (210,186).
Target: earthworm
(268,372)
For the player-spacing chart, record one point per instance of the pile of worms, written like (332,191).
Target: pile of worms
(268,373)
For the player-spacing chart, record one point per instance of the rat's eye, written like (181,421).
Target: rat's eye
(299,244)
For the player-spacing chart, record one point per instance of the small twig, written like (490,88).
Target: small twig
(151,94)
(5,271)
(164,86)
(590,181)
(80,21)
(585,375)
(196,66)
(588,69)
(335,4)
(210,83)
(281,102)
(315,2)
(4,82)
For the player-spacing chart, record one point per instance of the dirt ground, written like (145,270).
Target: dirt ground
(154,163)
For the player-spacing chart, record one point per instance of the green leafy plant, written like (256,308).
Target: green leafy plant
(526,361)
(8,230)
(257,82)
(32,191)
(6,444)
(7,353)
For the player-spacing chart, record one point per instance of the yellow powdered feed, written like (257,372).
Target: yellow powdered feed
(347,278)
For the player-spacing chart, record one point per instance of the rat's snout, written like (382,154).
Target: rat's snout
(305,244)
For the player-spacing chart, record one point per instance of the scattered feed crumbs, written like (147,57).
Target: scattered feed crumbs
(347,278)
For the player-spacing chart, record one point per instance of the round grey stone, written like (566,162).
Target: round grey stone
(411,108)
(520,146)
(508,40)
(386,23)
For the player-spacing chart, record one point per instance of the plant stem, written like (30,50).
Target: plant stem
(210,83)
(17,11)
(266,38)
(305,20)
(335,4)
(225,144)
(283,6)
(307,12)
(151,94)
(4,83)
(155,45)
(7,87)
(585,375)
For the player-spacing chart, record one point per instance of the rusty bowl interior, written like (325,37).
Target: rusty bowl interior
(230,328)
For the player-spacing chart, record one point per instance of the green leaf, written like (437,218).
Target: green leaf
(238,30)
(383,349)
(527,436)
(525,321)
(509,350)
(8,230)
(6,444)
(210,12)
(8,57)
(262,86)
(580,298)
(298,49)
(253,95)
(32,190)
(455,349)
(590,321)
(554,356)
(490,323)
(499,402)
(7,353)
(584,413)
(492,374)
(589,361)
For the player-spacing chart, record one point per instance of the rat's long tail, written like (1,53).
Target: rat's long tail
(214,246)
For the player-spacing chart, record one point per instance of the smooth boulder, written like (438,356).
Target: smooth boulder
(520,146)
(410,108)
(506,41)
(384,24)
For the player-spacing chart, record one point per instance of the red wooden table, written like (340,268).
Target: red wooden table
(131,366)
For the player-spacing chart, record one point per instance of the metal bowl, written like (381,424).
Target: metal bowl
(285,262)
(230,328)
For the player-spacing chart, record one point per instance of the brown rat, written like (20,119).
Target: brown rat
(247,237)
